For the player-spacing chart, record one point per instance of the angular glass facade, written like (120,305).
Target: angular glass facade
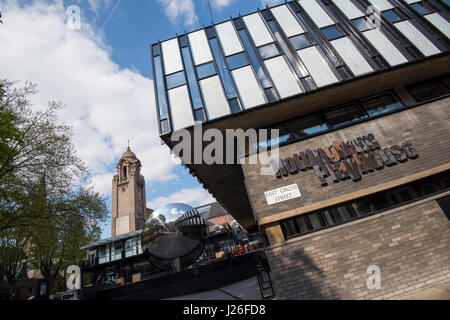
(289,50)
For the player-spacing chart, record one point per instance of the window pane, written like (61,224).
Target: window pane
(289,227)
(344,115)
(162,102)
(228,38)
(172,56)
(237,61)
(270,94)
(287,21)
(224,75)
(391,16)
(199,115)
(422,8)
(380,105)
(265,83)
(361,207)
(234,105)
(193,84)
(206,70)
(257,29)
(300,42)
(199,47)
(425,91)
(331,32)
(302,224)
(305,126)
(268,51)
(362,24)
(165,126)
(175,80)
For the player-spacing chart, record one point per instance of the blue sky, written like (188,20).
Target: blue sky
(102,73)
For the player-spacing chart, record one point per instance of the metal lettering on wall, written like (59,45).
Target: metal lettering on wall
(345,160)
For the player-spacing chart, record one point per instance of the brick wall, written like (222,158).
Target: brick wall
(410,244)
(427,127)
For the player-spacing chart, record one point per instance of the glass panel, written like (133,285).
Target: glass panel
(118,251)
(317,14)
(328,217)
(215,100)
(362,24)
(162,102)
(391,16)
(344,115)
(224,75)
(352,57)
(193,84)
(234,105)
(248,87)
(258,30)
(317,66)
(265,83)
(171,56)
(417,38)
(361,207)
(331,32)
(199,47)
(175,80)
(268,51)
(271,94)
(237,61)
(289,227)
(228,38)
(315,221)
(300,42)
(381,104)
(206,70)
(349,8)
(282,76)
(199,115)
(381,4)
(439,22)
(305,126)
(425,91)
(422,8)
(287,21)
(165,126)
(392,55)
(180,108)
(302,224)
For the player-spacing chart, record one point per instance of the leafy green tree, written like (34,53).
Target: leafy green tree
(43,184)
(13,257)
(32,144)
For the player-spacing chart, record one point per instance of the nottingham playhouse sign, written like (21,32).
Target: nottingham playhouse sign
(345,160)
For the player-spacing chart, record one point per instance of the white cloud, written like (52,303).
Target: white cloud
(220,4)
(106,105)
(194,197)
(270,3)
(177,10)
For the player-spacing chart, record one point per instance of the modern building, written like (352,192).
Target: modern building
(359,91)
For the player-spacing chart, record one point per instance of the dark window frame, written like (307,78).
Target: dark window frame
(369,201)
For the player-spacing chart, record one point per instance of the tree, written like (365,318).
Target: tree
(32,144)
(71,222)
(13,257)
(43,185)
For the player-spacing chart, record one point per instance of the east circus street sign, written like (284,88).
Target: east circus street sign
(343,160)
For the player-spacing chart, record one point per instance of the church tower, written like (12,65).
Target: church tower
(128,196)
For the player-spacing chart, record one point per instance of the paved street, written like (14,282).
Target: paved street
(243,290)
